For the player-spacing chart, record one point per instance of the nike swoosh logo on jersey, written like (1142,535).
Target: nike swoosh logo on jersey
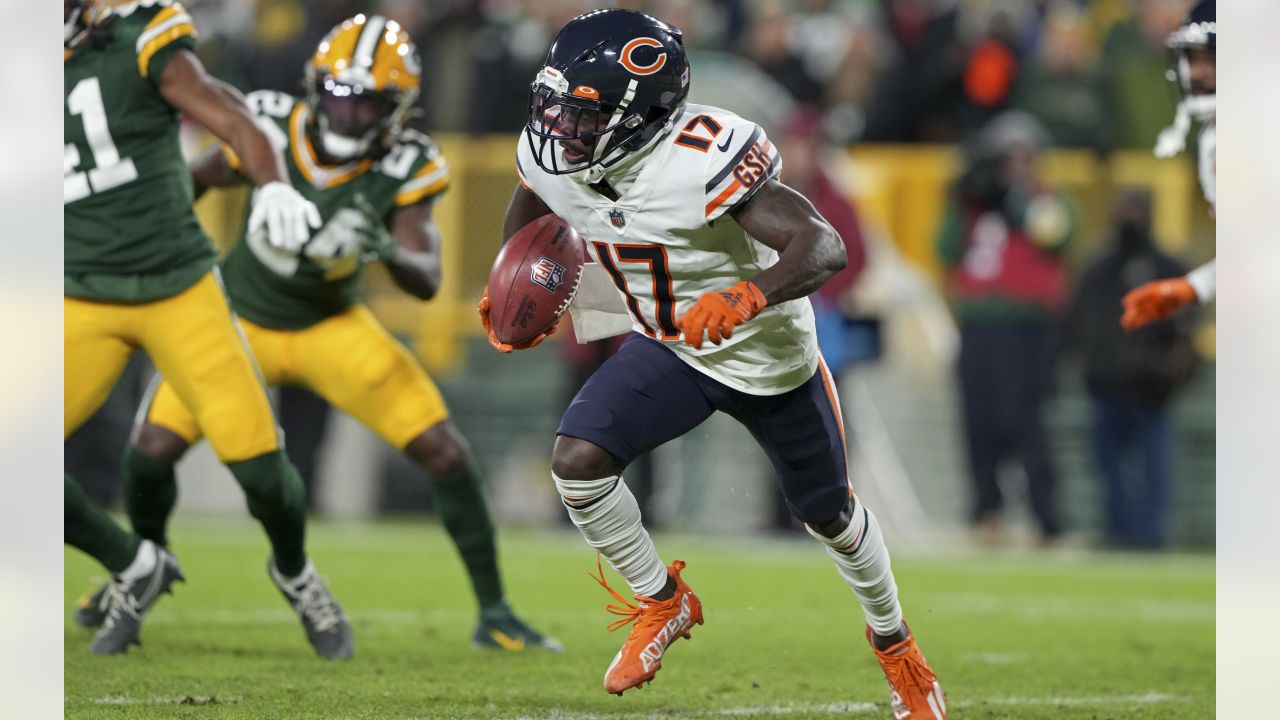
(725,145)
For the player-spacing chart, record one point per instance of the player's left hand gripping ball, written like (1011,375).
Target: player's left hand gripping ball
(497,344)
(289,218)
(716,314)
(1155,301)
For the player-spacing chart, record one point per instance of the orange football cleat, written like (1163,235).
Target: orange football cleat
(913,687)
(658,623)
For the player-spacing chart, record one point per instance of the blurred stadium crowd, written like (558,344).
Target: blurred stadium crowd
(1088,77)
(881,70)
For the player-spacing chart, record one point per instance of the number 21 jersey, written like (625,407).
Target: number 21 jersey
(130,233)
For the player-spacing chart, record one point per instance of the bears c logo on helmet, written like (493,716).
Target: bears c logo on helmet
(629,49)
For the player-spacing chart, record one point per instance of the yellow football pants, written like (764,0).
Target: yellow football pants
(194,342)
(350,360)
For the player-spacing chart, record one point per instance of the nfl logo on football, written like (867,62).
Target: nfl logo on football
(548,273)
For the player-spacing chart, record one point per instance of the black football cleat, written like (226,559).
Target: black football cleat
(327,628)
(126,603)
(500,629)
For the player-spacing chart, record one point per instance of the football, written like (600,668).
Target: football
(534,279)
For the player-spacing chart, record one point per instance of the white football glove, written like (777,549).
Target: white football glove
(288,217)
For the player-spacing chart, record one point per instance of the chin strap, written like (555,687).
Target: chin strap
(1173,139)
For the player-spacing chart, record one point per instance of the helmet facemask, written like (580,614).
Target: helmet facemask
(350,120)
(1193,50)
(1200,101)
(571,133)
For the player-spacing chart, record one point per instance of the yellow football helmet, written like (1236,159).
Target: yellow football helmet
(361,84)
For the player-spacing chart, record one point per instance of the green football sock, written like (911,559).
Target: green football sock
(459,499)
(150,492)
(278,500)
(87,527)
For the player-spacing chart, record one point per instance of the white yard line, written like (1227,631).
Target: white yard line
(167,700)
(864,708)
(779,710)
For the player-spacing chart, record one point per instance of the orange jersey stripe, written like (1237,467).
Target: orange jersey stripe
(719,199)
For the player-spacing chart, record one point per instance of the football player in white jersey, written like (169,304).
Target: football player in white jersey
(713,257)
(1194,45)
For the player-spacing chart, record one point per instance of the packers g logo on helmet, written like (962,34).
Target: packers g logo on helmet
(361,84)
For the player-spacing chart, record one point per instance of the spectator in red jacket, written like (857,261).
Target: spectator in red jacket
(1002,241)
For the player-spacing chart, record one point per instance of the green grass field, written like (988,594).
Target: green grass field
(1013,636)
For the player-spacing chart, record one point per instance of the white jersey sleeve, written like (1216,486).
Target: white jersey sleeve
(737,166)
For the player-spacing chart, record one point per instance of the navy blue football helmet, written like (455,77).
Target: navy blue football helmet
(1197,33)
(612,81)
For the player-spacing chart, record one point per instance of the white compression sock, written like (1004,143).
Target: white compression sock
(863,561)
(608,516)
(143,563)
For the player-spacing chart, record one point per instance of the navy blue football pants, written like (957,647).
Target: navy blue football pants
(644,396)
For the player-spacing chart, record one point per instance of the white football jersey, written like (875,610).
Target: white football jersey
(669,239)
(1208,163)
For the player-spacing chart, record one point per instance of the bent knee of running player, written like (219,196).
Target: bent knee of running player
(640,398)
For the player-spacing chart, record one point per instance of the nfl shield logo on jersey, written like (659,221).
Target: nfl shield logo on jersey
(548,273)
(615,217)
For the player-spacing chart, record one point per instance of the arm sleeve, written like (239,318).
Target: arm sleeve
(1204,280)
(737,167)
(168,32)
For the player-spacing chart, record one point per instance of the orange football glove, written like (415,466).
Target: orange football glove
(497,344)
(717,314)
(1154,301)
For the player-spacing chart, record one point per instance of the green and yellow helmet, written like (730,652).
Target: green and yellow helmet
(361,84)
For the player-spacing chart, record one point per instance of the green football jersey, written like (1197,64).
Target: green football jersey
(130,233)
(284,291)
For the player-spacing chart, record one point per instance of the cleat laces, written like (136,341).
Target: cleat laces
(316,604)
(643,615)
(117,601)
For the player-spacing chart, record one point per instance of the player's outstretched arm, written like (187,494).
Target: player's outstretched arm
(212,170)
(411,251)
(288,216)
(810,252)
(220,108)
(809,249)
